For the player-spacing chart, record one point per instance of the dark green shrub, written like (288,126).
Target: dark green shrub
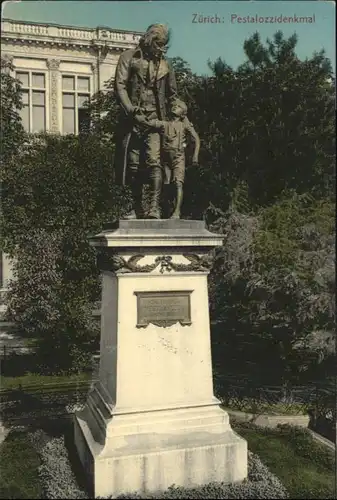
(65,195)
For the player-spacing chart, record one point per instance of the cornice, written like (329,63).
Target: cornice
(66,44)
(41,28)
(30,34)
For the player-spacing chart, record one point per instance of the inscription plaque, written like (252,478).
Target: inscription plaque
(163,308)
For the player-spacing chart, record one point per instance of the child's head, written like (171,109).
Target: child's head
(178,109)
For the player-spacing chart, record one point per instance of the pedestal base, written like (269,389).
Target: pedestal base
(152,420)
(150,451)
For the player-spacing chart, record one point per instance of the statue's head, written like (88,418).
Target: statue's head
(178,108)
(155,40)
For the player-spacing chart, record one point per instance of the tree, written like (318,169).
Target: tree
(265,128)
(272,289)
(183,73)
(12,132)
(104,111)
(58,194)
(266,178)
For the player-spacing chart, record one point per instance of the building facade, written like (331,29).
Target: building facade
(59,67)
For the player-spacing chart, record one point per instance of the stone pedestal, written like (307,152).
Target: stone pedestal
(152,419)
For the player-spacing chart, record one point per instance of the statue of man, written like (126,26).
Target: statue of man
(144,83)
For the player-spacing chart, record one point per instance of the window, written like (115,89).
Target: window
(75,93)
(33,113)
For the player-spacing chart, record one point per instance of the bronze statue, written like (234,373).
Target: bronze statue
(144,83)
(174,134)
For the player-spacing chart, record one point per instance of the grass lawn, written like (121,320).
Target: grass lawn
(19,463)
(34,379)
(305,467)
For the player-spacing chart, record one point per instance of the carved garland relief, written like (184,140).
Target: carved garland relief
(107,261)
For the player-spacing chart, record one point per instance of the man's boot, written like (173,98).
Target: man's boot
(137,194)
(137,198)
(155,193)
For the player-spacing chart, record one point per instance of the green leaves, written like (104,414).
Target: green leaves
(273,283)
(57,192)
(266,179)
(12,133)
(269,125)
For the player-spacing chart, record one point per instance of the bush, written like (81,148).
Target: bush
(305,468)
(55,472)
(272,288)
(64,195)
(264,407)
(59,480)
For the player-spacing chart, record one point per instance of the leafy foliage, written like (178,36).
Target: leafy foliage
(55,197)
(12,133)
(266,180)
(266,127)
(272,289)
(55,472)
(104,112)
(58,479)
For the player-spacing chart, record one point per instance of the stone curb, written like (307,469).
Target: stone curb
(264,420)
(273,421)
(3,433)
(323,440)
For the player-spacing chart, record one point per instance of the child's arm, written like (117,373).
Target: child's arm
(157,125)
(193,136)
(153,124)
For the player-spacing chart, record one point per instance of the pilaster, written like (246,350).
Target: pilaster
(54,78)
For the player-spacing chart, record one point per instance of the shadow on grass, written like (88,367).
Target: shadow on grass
(19,463)
(42,406)
(19,460)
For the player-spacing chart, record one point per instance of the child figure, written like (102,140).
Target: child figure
(174,134)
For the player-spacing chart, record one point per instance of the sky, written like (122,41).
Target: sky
(194,41)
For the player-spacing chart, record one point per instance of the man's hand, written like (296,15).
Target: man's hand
(195,162)
(141,119)
(137,110)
